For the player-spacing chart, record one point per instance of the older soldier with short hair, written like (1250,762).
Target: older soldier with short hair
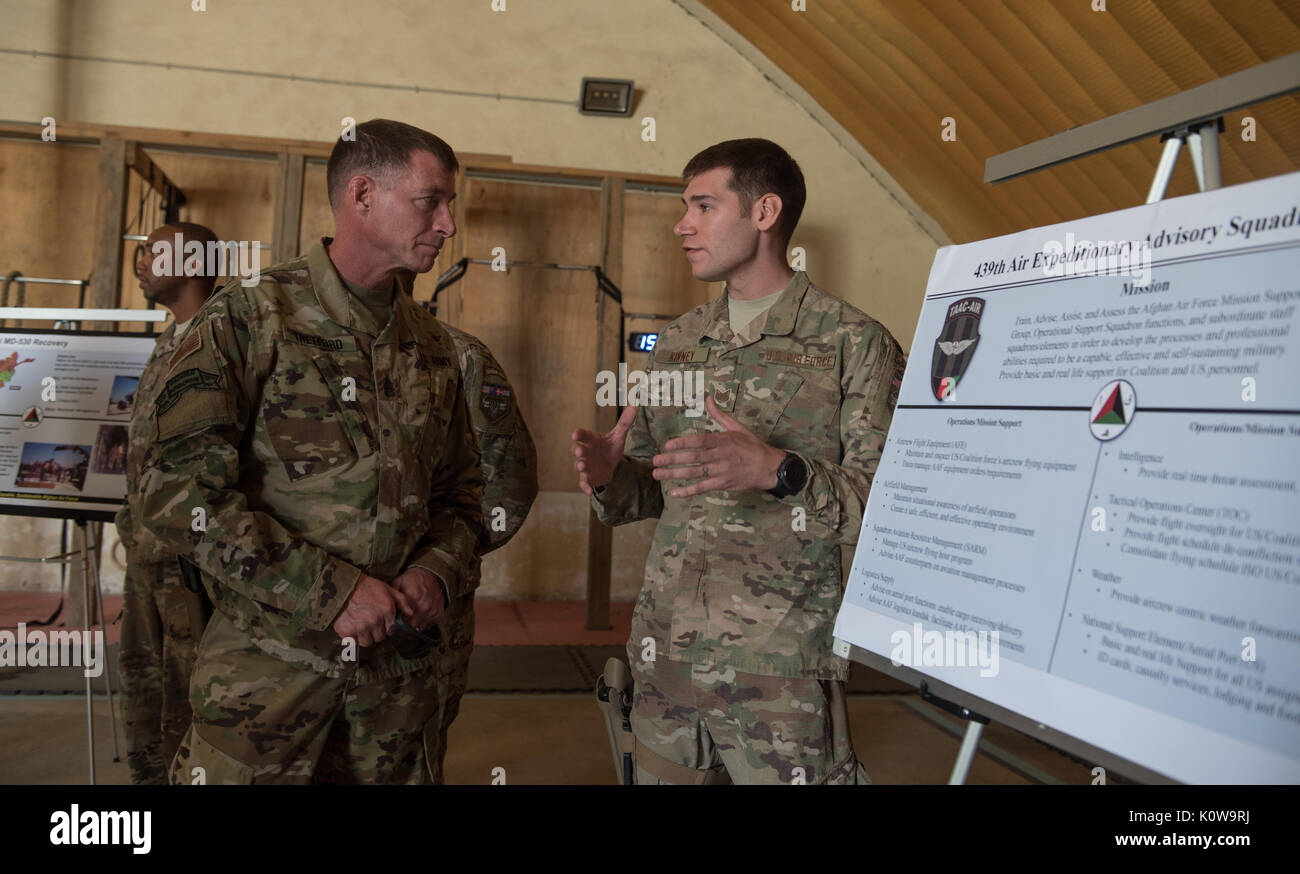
(314,458)
(743,579)
(158,634)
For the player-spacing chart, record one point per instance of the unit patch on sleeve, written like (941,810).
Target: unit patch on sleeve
(495,401)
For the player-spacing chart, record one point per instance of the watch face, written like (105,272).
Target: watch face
(793,473)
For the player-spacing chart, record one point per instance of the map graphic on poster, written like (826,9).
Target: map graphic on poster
(65,402)
(1104,471)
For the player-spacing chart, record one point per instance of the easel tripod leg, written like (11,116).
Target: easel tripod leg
(969,744)
(103,621)
(86,594)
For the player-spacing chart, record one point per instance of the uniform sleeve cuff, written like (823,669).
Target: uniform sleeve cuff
(327,596)
(443,571)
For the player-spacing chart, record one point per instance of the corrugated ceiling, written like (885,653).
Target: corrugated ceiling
(1014,71)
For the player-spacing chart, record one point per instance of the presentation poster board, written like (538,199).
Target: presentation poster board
(1087,508)
(65,402)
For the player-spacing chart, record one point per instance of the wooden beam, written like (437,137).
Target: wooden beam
(110,220)
(609,315)
(562,174)
(74,132)
(287,224)
(152,174)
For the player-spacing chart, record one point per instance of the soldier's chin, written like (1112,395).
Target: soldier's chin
(424,260)
(704,273)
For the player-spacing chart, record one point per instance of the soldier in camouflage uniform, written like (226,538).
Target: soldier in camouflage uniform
(157,647)
(731,645)
(313,457)
(509,487)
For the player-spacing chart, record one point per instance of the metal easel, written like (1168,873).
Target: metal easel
(1193,118)
(92,590)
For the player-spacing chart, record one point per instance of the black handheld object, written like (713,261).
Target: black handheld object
(190,576)
(412,644)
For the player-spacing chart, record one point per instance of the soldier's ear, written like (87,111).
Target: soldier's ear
(359,196)
(767,211)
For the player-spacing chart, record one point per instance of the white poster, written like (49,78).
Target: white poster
(65,402)
(1087,509)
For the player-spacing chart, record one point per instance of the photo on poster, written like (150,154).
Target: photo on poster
(57,466)
(110,450)
(123,396)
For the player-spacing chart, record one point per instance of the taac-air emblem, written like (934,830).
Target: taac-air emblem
(955,347)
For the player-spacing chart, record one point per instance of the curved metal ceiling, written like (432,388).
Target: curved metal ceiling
(1010,72)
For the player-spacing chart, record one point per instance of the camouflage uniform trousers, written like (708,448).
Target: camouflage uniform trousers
(155,659)
(261,720)
(759,728)
(458,630)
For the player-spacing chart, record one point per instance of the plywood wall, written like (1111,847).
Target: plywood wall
(540,323)
(47,224)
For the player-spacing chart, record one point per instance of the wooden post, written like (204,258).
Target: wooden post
(287,224)
(105,290)
(600,538)
(110,219)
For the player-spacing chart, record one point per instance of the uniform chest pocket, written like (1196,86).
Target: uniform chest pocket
(311,424)
(762,403)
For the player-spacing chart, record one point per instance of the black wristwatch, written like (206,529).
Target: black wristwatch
(791,476)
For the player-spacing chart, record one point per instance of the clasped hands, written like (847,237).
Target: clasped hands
(374,605)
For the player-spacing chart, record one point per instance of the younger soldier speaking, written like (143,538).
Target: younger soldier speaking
(743,580)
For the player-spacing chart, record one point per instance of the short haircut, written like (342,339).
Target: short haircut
(193,232)
(758,167)
(381,148)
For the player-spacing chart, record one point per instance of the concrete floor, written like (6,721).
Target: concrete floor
(538,737)
(544,739)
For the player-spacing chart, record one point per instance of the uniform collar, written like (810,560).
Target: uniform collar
(332,292)
(781,316)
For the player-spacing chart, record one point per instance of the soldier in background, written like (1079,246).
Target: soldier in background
(313,457)
(509,487)
(158,638)
(743,580)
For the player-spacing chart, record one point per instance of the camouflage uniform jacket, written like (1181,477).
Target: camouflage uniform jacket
(509,454)
(744,580)
(141,546)
(317,445)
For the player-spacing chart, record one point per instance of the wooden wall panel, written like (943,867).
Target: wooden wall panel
(47,226)
(657,276)
(317,220)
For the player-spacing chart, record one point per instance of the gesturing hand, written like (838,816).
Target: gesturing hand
(729,460)
(370,611)
(596,455)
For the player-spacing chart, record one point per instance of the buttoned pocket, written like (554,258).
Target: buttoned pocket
(429,405)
